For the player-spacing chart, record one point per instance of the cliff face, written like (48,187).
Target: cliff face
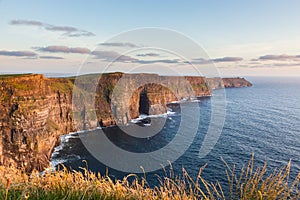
(35,111)
(129,95)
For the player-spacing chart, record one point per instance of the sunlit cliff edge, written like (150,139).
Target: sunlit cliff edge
(36,110)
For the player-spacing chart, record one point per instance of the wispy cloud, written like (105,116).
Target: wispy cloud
(216,60)
(148,55)
(17,53)
(272,65)
(287,64)
(227,59)
(112,56)
(179,61)
(116,57)
(168,61)
(282,57)
(198,61)
(63,49)
(118,44)
(26,22)
(51,57)
(66,30)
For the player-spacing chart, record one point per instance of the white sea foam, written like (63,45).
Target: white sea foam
(63,140)
(170,112)
(71,136)
(57,161)
(184,100)
(143,116)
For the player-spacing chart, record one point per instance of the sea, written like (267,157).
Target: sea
(261,121)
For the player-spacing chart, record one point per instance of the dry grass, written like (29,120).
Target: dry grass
(248,183)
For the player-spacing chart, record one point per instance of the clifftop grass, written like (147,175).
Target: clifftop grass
(249,183)
(3,76)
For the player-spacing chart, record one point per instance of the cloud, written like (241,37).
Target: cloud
(119,44)
(67,30)
(275,65)
(148,55)
(63,49)
(198,61)
(17,53)
(26,22)
(282,57)
(51,57)
(202,61)
(61,28)
(168,61)
(227,59)
(286,64)
(115,56)
(193,61)
(112,56)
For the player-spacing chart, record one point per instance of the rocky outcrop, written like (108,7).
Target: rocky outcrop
(35,111)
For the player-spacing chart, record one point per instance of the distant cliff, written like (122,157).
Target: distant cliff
(216,83)
(35,111)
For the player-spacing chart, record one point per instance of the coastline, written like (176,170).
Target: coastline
(46,103)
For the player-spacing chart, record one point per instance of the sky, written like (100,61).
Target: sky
(228,38)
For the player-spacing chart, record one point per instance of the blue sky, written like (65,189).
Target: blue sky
(255,37)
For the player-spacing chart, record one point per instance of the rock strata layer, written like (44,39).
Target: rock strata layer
(35,111)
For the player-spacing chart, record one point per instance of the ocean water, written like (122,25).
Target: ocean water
(263,120)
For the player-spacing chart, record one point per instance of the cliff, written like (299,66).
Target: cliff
(35,111)
(216,83)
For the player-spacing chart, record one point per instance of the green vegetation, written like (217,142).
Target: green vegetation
(22,86)
(16,81)
(248,183)
(3,76)
(62,85)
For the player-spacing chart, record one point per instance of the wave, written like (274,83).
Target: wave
(58,161)
(143,116)
(185,100)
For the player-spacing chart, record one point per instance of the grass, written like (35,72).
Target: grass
(3,76)
(248,183)
(62,85)
(23,86)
